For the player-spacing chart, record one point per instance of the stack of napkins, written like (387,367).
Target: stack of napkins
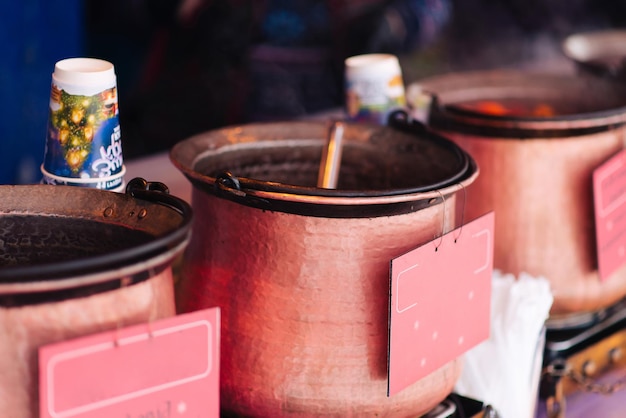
(504,371)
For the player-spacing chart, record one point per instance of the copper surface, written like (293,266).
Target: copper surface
(305,299)
(304,308)
(24,329)
(541,193)
(75,302)
(540,184)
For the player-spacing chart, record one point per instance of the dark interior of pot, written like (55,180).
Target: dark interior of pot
(28,240)
(375,161)
(362,168)
(56,232)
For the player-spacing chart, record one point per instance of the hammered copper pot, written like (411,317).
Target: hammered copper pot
(76,261)
(536,172)
(301,273)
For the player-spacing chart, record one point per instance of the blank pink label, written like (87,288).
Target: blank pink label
(609,191)
(440,302)
(167,369)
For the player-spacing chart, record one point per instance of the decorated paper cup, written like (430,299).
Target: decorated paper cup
(114,183)
(83,140)
(374,87)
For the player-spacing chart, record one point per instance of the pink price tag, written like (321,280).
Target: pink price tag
(167,369)
(609,195)
(440,302)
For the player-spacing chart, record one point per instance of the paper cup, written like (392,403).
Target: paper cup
(83,139)
(374,87)
(111,183)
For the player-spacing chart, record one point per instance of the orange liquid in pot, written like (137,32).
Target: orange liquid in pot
(516,108)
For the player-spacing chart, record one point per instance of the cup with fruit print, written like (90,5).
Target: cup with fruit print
(374,87)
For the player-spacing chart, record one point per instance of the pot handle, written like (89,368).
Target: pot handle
(417,114)
(402,119)
(157,192)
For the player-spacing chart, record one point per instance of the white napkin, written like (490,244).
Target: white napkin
(504,370)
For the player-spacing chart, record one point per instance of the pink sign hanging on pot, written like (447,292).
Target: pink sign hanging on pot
(163,369)
(440,300)
(609,193)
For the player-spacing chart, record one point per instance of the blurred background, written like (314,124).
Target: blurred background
(186,66)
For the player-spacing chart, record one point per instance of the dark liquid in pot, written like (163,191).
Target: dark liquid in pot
(38,240)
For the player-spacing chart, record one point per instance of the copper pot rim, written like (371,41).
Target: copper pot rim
(443,91)
(14,294)
(25,284)
(236,186)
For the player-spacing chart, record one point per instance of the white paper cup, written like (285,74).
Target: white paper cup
(374,87)
(103,183)
(83,139)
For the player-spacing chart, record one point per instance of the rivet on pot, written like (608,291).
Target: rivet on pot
(108,212)
(589,368)
(615,355)
(142,213)
(432,201)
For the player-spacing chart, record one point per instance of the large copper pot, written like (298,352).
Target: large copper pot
(76,261)
(536,171)
(302,273)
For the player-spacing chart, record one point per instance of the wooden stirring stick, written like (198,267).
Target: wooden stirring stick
(331,158)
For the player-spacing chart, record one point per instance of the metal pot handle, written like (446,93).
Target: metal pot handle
(157,192)
(402,119)
(417,115)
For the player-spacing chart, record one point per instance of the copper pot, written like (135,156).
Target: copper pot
(76,261)
(536,171)
(302,273)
